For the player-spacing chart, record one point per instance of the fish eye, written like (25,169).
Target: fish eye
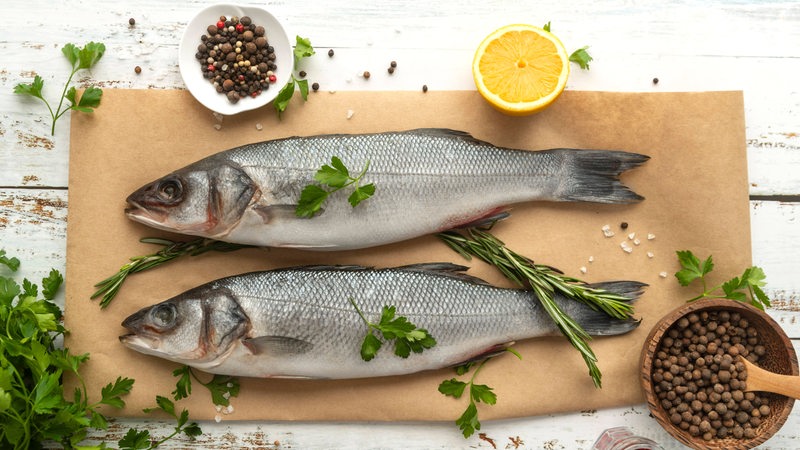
(170,189)
(164,315)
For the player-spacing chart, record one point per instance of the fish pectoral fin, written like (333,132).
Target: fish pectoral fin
(492,351)
(271,213)
(277,345)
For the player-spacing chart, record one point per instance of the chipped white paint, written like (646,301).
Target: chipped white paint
(688,45)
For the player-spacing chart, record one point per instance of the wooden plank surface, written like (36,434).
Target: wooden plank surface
(687,45)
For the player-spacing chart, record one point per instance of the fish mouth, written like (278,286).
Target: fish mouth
(147,216)
(139,343)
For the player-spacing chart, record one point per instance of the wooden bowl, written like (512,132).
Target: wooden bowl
(780,358)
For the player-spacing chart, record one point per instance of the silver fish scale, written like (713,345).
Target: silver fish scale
(313,306)
(430,152)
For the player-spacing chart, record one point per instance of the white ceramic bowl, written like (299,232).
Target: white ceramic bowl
(201,87)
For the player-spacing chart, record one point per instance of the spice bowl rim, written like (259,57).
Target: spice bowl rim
(781,341)
(201,88)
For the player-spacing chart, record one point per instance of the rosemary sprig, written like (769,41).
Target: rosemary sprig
(109,287)
(545,282)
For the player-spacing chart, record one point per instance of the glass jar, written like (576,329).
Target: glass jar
(622,438)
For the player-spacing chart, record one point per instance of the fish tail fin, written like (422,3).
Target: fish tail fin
(593,176)
(598,323)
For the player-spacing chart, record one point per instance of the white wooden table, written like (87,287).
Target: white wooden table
(752,46)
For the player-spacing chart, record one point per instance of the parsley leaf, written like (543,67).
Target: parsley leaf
(335,176)
(468,422)
(221,387)
(135,440)
(406,336)
(79,59)
(302,49)
(112,392)
(12,263)
(581,57)
(747,288)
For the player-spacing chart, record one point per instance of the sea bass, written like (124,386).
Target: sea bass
(302,322)
(426,180)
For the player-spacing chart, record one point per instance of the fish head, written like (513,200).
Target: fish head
(199,327)
(203,199)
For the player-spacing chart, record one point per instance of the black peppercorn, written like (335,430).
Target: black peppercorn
(393,64)
(330,52)
(424,88)
(131,21)
(315,86)
(302,74)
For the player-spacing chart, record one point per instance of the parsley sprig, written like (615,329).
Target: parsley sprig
(406,336)
(302,49)
(80,59)
(580,56)
(468,422)
(221,387)
(747,288)
(336,177)
(545,282)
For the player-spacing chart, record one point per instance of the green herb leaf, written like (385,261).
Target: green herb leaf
(311,199)
(90,99)
(360,194)
(370,346)
(302,49)
(90,54)
(111,394)
(581,57)
(183,388)
(72,53)
(282,100)
(746,288)
(546,27)
(302,86)
(222,388)
(482,393)
(135,440)
(468,422)
(12,263)
(33,89)
(51,284)
(452,388)
(192,430)
(335,176)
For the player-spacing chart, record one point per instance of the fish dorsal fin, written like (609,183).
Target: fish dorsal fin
(449,133)
(277,345)
(444,269)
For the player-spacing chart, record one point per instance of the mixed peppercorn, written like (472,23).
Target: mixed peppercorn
(236,58)
(699,381)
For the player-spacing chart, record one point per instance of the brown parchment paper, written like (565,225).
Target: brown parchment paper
(696,198)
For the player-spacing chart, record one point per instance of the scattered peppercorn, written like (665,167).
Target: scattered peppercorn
(330,52)
(137,69)
(366,74)
(655,80)
(302,74)
(236,58)
(424,88)
(699,382)
(391,70)
(393,64)
(315,86)
(624,225)
(131,21)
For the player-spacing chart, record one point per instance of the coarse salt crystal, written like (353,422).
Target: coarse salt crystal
(259,127)
(631,236)
(625,247)
(607,231)
(226,395)
(217,126)
(591,259)
(229,385)
(217,418)
(583,269)
(650,236)
(350,114)
(627,250)
(218,407)
(636,242)
(229,409)
(650,254)
(219,117)
(663,274)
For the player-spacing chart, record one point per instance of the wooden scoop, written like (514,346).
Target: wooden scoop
(759,379)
